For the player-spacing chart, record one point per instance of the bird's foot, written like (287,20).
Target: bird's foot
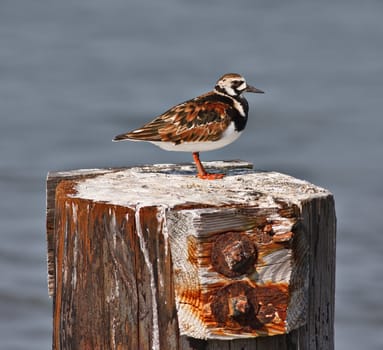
(210,176)
(202,173)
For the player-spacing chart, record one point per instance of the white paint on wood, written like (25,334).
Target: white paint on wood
(145,252)
(163,226)
(75,250)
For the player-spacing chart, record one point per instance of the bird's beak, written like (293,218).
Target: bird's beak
(250,88)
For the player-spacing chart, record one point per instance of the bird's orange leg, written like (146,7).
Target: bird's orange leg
(202,173)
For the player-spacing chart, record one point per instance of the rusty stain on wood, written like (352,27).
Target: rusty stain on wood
(134,266)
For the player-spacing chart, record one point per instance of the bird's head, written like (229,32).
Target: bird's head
(233,84)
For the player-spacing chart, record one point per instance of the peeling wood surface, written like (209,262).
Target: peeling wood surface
(146,257)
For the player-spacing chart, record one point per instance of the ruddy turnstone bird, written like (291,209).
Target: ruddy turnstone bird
(205,123)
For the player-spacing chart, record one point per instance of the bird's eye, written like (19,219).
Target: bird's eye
(237,83)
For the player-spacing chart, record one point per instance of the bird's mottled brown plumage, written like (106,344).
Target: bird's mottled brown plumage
(200,119)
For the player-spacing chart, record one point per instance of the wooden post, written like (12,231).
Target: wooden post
(154,258)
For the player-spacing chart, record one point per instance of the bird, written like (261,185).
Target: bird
(204,123)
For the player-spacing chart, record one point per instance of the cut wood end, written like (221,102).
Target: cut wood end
(237,280)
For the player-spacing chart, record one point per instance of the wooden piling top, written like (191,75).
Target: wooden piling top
(173,185)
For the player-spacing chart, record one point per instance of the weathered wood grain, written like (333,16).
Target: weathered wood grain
(318,217)
(53,179)
(154,258)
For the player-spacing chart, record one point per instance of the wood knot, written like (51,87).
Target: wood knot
(233,254)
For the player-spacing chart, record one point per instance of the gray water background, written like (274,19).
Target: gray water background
(75,73)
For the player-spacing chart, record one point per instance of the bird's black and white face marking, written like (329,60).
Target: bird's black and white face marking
(231,84)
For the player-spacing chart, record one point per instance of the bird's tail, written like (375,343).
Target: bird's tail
(121,137)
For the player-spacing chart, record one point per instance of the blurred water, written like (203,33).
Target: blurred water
(75,73)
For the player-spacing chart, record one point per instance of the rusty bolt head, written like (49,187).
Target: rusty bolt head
(236,254)
(233,303)
(238,305)
(241,304)
(233,254)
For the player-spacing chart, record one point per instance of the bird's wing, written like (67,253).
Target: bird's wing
(197,120)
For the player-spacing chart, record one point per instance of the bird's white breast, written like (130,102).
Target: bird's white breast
(229,136)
